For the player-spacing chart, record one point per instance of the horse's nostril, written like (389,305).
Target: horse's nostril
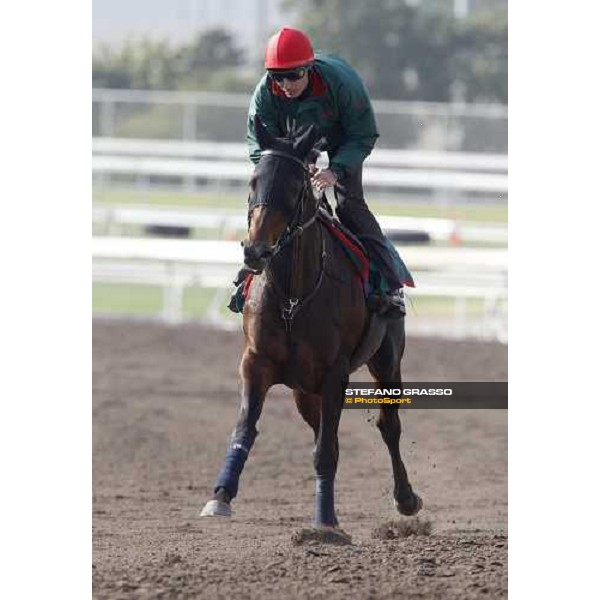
(252,258)
(257,251)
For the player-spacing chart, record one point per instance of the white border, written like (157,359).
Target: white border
(553,312)
(45,338)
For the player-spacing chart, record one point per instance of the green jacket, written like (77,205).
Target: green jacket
(336,101)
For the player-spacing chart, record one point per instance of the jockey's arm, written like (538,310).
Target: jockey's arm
(360,129)
(261,105)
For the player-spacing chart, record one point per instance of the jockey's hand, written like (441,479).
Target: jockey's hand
(323,179)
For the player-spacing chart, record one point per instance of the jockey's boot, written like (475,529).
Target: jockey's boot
(236,302)
(388,306)
(396,307)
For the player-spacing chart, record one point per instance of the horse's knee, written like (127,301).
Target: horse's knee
(244,436)
(245,431)
(250,410)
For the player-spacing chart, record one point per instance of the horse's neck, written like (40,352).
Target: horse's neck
(308,255)
(298,270)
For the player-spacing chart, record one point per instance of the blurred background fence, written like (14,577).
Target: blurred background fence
(176,115)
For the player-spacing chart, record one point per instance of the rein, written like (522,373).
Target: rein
(291,306)
(293,231)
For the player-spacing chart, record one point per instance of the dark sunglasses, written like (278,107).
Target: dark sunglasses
(292,75)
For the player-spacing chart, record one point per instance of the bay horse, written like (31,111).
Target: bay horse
(306,325)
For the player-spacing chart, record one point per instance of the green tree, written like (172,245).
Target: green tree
(481,56)
(210,61)
(144,64)
(213,49)
(412,51)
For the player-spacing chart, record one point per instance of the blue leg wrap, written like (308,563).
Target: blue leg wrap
(324,502)
(229,475)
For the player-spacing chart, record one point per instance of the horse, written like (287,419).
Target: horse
(306,325)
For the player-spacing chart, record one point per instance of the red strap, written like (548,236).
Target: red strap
(247,283)
(364,262)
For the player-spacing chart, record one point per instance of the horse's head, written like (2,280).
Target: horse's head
(278,188)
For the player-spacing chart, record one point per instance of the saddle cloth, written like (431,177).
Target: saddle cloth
(369,274)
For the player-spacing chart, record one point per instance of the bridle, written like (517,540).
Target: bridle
(294,230)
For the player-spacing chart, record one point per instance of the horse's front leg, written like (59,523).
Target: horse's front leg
(257,377)
(326,450)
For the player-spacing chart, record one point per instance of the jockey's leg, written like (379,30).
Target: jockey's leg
(354,213)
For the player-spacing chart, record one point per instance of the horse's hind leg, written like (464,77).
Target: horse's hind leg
(388,423)
(256,379)
(385,367)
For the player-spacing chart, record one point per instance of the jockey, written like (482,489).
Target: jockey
(323,89)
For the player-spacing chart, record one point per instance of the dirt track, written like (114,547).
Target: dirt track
(165,401)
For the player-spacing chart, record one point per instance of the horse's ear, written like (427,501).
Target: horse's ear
(263,137)
(291,129)
(306,141)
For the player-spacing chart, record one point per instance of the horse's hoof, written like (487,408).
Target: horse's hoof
(409,507)
(214,508)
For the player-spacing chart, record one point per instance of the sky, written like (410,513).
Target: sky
(114,21)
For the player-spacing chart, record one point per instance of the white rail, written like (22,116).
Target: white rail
(468,161)
(241,172)
(224,252)
(110,218)
(461,273)
(213,161)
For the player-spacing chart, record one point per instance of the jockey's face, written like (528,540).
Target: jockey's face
(293,89)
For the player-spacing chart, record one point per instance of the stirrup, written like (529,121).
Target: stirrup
(388,306)
(233,305)
(396,306)
(237,300)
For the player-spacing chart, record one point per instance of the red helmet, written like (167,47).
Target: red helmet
(287,49)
